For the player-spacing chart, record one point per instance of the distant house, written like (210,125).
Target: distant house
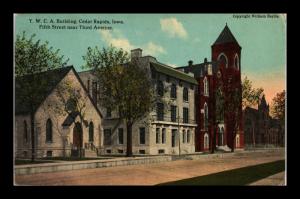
(56,133)
(261,130)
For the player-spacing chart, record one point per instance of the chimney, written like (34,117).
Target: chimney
(190,63)
(136,53)
(205,60)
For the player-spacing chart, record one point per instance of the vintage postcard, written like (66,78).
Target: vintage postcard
(150,99)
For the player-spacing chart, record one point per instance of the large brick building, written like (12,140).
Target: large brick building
(220,75)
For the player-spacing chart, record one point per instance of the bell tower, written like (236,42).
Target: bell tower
(226,53)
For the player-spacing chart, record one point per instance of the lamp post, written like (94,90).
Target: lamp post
(178,133)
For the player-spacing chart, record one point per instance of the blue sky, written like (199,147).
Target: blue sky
(174,39)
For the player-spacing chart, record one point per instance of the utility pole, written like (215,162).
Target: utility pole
(178,132)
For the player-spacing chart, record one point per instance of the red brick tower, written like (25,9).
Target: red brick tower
(226,51)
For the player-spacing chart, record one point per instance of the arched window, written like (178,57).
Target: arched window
(49,130)
(223,60)
(91,132)
(160,88)
(206,141)
(185,94)
(236,62)
(205,116)
(25,132)
(205,87)
(237,141)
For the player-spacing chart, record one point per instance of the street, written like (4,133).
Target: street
(152,174)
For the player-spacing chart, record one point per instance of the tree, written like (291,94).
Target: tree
(250,95)
(219,116)
(278,108)
(32,57)
(233,111)
(125,87)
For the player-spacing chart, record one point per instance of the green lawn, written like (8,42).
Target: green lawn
(241,176)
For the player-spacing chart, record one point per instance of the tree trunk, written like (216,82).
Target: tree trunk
(213,147)
(129,139)
(32,137)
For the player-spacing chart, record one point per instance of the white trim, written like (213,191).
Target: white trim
(238,62)
(205,87)
(206,141)
(225,58)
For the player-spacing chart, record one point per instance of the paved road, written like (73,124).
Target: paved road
(149,174)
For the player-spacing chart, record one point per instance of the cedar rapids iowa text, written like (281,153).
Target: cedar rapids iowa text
(71,24)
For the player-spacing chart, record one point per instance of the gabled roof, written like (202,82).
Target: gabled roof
(168,70)
(52,78)
(226,36)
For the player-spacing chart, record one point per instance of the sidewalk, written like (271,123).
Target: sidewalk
(274,180)
(150,174)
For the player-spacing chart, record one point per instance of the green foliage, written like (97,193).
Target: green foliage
(34,56)
(278,107)
(250,95)
(124,86)
(108,57)
(219,105)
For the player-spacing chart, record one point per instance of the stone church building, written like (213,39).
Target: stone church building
(57,133)
(261,130)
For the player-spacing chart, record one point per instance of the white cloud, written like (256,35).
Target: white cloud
(153,49)
(119,41)
(173,28)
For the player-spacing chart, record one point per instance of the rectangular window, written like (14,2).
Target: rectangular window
(108,112)
(188,136)
(163,136)
(49,154)
(185,94)
(120,151)
(160,88)
(161,151)
(173,113)
(108,151)
(173,141)
(157,135)
(141,151)
(107,136)
(185,115)
(142,136)
(173,91)
(160,111)
(120,136)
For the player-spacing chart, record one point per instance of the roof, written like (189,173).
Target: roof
(168,70)
(226,36)
(51,78)
(71,118)
(199,69)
